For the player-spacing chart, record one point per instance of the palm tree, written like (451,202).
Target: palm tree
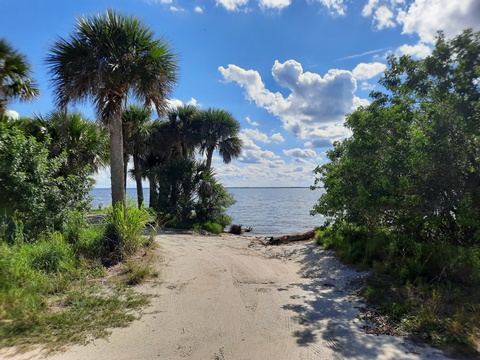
(84,142)
(218,130)
(15,80)
(136,131)
(181,124)
(106,58)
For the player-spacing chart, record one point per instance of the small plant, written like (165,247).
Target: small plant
(213,227)
(124,229)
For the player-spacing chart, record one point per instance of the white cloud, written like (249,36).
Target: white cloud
(278,138)
(257,156)
(367,86)
(368,8)
(300,153)
(193,102)
(451,16)
(419,51)
(198,9)
(232,5)
(254,134)
(384,18)
(175,103)
(314,101)
(12,114)
(274,4)
(253,123)
(176,9)
(337,7)
(425,17)
(364,71)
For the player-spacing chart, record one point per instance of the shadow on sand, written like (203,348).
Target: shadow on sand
(326,313)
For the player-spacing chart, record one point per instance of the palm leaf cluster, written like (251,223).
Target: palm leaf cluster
(15,77)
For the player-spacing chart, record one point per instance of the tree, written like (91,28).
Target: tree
(411,168)
(15,77)
(107,58)
(84,143)
(137,128)
(34,196)
(218,129)
(182,126)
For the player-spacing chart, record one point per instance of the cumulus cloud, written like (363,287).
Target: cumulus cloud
(383,18)
(232,5)
(257,156)
(278,138)
(314,101)
(419,51)
(198,9)
(175,103)
(364,71)
(337,7)
(253,123)
(255,134)
(12,114)
(300,153)
(274,4)
(425,17)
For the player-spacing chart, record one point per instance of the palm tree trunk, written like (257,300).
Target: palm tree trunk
(138,180)
(125,172)
(116,161)
(153,191)
(209,157)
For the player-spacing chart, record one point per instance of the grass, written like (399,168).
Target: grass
(428,291)
(57,291)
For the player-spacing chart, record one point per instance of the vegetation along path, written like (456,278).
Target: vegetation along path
(228,297)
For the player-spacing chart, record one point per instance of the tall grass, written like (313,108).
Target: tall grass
(125,228)
(54,272)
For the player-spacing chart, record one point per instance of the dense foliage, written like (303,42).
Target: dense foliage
(403,192)
(34,196)
(107,58)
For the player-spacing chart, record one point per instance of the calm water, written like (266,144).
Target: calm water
(269,211)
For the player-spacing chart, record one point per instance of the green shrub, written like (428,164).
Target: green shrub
(124,229)
(213,227)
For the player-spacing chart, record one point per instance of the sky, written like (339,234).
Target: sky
(288,70)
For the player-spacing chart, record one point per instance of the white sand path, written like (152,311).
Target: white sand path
(224,297)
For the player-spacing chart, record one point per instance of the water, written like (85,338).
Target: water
(268,211)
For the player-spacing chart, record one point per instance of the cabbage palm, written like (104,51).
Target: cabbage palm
(180,123)
(15,80)
(106,58)
(84,142)
(137,128)
(219,130)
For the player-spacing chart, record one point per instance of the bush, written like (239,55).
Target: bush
(124,228)
(213,227)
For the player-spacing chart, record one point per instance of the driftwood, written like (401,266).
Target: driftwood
(289,238)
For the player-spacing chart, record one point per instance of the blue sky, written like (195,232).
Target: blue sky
(288,70)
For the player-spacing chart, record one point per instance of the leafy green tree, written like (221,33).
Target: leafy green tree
(411,168)
(106,58)
(15,77)
(137,128)
(218,130)
(33,195)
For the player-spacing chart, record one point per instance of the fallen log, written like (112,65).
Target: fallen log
(289,238)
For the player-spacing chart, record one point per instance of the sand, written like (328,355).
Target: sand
(228,297)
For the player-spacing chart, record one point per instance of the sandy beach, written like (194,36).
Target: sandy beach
(229,297)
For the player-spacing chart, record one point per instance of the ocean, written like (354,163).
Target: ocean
(268,211)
